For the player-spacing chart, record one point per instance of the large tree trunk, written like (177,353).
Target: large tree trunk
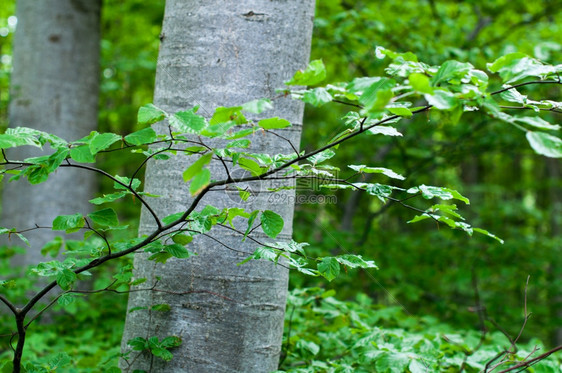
(220,53)
(54,88)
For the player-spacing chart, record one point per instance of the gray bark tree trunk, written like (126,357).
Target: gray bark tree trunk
(54,88)
(230,318)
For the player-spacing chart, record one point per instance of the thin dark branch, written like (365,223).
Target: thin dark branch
(145,161)
(528,363)
(526,83)
(286,139)
(9,304)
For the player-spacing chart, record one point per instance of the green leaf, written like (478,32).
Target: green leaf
(392,362)
(199,182)
(144,136)
(537,122)
(317,96)
(160,257)
(486,233)
(322,156)
(163,307)
(545,144)
(171,218)
(243,193)
(182,239)
(197,167)
(272,223)
(171,342)
(504,61)
(377,170)
(402,111)
(162,353)
(52,247)
(379,190)
(313,74)
(228,114)
(188,121)
(251,165)
(66,299)
(384,130)
(451,70)
(138,343)
(58,361)
(274,123)
(329,268)
(68,223)
(106,217)
(149,114)
(375,91)
(125,180)
(429,192)
(265,253)
(257,106)
(518,66)
(82,154)
(9,141)
(442,100)
(251,220)
(355,261)
(178,251)
(66,278)
(420,83)
(102,141)
(108,198)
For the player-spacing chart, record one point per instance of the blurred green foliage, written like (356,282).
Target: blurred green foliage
(424,271)
(514,193)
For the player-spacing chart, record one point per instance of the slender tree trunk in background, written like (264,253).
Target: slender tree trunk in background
(555,201)
(54,88)
(221,53)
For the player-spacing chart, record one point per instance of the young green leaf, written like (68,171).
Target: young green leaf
(66,278)
(317,96)
(188,121)
(177,250)
(144,136)
(68,223)
(199,182)
(420,83)
(106,217)
(228,114)
(329,267)
(257,106)
(102,141)
(251,220)
(545,144)
(451,70)
(182,239)
(161,257)
(149,114)
(82,154)
(274,123)
(272,223)
(313,74)
(402,111)
(52,247)
(251,165)
(377,170)
(442,100)
(384,130)
(197,167)
(108,198)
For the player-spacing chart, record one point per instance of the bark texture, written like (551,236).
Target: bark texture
(221,53)
(54,88)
